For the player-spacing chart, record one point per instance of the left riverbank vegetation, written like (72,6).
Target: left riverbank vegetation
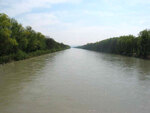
(125,45)
(17,42)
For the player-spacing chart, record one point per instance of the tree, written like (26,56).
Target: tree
(144,43)
(7,44)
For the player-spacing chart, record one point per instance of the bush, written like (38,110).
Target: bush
(5,59)
(20,55)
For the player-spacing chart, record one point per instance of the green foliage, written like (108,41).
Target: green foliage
(17,42)
(20,55)
(5,35)
(5,59)
(124,45)
(144,43)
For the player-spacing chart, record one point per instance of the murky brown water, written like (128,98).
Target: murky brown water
(76,81)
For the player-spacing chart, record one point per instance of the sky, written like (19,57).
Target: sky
(77,22)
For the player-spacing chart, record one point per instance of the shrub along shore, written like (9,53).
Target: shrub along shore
(18,43)
(124,45)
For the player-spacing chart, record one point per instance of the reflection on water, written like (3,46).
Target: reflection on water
(75,81)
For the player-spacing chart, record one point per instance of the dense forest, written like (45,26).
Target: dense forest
(17,42)
(124,45)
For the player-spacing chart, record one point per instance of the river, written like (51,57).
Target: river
(76,81)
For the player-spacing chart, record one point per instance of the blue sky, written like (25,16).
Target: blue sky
(76,22)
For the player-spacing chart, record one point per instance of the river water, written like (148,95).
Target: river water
(76,81)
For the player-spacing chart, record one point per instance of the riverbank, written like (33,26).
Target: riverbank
(126,55)
(124,45)
(22,55)
(18,42)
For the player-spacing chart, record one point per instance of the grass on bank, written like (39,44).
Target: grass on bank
(20,55)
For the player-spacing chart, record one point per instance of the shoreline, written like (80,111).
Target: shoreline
(10,58)
(134,56)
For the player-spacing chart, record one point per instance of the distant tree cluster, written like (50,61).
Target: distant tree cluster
(124,45)
(16,41)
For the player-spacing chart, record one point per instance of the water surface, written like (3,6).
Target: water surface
(76,81)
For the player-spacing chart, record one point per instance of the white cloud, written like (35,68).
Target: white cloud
(47,23)
(40,19)
(16,7)
(99,13)
(139,1)
(128,1)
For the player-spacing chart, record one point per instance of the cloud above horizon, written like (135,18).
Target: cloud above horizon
(77,22)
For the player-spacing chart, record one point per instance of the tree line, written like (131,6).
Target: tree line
(17,42)
(125,45)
